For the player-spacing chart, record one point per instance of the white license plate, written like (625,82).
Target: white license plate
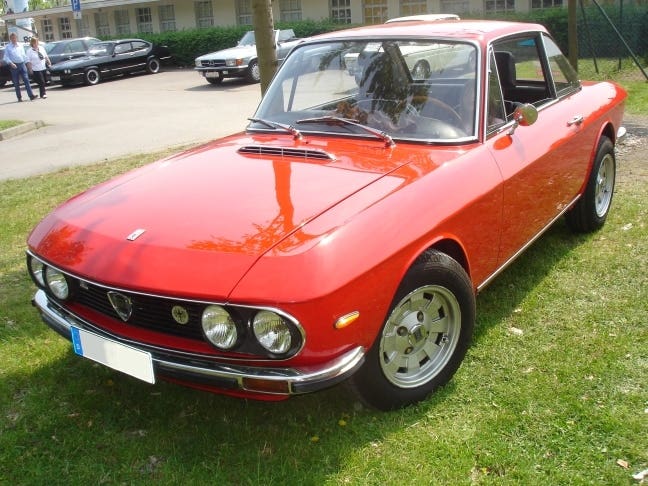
(117,356)
(55,78)
(212,74)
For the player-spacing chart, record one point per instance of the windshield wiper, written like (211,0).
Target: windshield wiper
(336,120)
(282,126)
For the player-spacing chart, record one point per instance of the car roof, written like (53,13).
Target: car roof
(424,17)
(476,30)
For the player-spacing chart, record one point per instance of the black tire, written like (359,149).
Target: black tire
(153,65)
(591,210)
(253,75)
(91,77)
(424,338)
(217,80)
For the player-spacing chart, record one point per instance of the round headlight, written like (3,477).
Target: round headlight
(57,283)
(36,268)
(272,332)
(198,63)
(219,327)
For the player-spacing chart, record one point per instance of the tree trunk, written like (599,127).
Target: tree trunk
(265,40)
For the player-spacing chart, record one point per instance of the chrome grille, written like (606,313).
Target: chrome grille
(213,63)
(149,312)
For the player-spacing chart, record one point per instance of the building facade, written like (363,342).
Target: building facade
(128,17)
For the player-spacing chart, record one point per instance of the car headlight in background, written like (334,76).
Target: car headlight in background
(219,327)
(198,63)
(272,332)
(233,62)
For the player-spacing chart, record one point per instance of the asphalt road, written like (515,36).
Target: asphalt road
(123,116)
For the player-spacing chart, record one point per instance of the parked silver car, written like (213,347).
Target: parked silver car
(241,61)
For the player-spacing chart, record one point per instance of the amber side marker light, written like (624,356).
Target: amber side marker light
(347,320)
(267,386)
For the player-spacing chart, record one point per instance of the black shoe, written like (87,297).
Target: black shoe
(33,97)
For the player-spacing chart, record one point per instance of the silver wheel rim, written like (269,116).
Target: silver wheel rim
(604,186)
(154,66)
(93,76)
(420,336)
(256,74)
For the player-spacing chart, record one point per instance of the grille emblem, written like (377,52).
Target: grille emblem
(180,314)
(122,305)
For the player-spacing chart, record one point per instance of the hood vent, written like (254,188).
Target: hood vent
(286,152)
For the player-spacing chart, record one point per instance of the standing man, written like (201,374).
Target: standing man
(14,55)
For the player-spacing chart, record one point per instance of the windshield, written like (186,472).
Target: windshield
(247,39)
(409,89)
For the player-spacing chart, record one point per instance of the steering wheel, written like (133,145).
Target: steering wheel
(435,108)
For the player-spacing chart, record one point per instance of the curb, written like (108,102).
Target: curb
(20,129)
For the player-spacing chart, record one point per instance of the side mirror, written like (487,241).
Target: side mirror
(524,115)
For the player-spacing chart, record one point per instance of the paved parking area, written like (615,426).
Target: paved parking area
(130,115)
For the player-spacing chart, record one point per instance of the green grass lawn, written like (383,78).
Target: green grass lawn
(554,389)
(4,124)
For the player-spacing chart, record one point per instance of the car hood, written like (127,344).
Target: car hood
(194,224)
(232,53)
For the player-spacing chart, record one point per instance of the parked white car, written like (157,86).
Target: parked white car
(242,61)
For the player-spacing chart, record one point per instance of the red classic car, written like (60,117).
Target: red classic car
(344,235)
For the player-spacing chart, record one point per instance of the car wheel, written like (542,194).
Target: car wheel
(217,80)
(253,74)
(92,77)
(153,65)
(591,210)
(424,338)
(421,70)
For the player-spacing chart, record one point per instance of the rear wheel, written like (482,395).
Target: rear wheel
(424,338)
(253,74)
(92,77)
(153,65)
(591,210)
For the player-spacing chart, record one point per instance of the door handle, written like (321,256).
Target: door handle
(576,120)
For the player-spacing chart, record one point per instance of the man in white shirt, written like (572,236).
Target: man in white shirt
(37,62)
(15,57)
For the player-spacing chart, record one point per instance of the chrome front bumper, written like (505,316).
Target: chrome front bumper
(200,370)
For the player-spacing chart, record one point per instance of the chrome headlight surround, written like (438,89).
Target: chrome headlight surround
(52,280)
(272,332)
(219,327)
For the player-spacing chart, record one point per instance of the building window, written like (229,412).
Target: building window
(204,14)
(101,24)
(144,20)
(413,7)
(341,11)
(65,29)
(546,3)
(290,10)
(48,30)
(455,6)
(499,6)
(83,26)
(122,22)
(167,18)
(375,11)
(244,12)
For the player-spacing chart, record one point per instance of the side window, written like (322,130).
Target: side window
(75,46)
(122,48)
(521,72)
(138,46)
(564,77)
(495,112)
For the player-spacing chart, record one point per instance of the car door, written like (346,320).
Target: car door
(138,55)
(543,165)
(122,58)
